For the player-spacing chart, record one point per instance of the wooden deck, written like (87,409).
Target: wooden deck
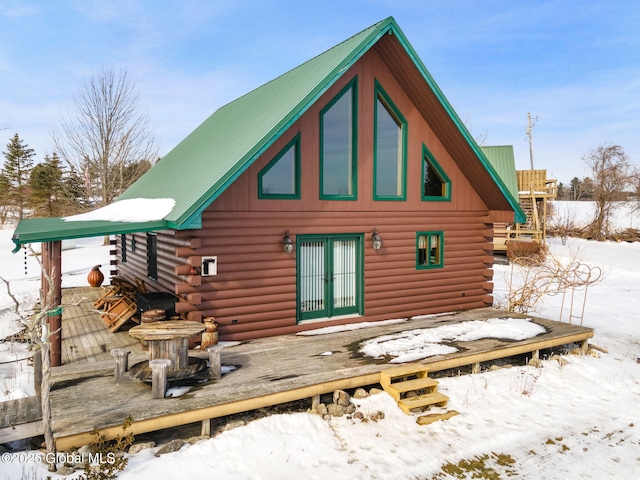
(269,371)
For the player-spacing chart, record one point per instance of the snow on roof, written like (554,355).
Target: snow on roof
(131,210)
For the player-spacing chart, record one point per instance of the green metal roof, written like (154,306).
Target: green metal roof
(503,162)
(230,140)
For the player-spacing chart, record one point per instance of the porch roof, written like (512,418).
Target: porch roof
(52,229)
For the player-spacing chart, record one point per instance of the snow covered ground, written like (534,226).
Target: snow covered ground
(577,417)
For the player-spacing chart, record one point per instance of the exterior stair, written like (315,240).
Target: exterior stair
(398,381)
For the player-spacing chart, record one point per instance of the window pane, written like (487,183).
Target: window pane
(434,250)
(312,276)
(433,184)
(344,273)
(388,153)
(280,179)
(337,143)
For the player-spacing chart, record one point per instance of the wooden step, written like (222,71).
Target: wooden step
(403,371)
(435,417)
(397,389)
(421,401)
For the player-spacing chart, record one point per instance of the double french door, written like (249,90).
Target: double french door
(329,275)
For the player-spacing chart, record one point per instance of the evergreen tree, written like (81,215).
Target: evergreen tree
(46,187)
(17,169)
(75,198)
(5,205)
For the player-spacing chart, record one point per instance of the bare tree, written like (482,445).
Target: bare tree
(612,173)
(106,137)
(38,334)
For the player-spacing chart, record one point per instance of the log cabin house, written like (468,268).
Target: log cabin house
(345,190)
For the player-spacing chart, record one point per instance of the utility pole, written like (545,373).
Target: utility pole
(529,131)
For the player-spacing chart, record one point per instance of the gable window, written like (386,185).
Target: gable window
(436,186)
(389,143)
(281,177)
(429,250)
(152,256)
(338,146)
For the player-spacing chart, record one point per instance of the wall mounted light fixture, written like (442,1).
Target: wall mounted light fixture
(287,243)
(376,240)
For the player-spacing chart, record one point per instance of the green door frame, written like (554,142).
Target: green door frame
(326,307)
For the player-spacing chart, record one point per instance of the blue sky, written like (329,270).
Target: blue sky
(575,65)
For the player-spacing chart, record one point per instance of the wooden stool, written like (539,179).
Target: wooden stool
(122,362)
(215,365)
(159,376)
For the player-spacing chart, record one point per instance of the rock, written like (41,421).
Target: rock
(322,409)
(593,353)
(358,415)
(84,450)
(360,393)
(336,410)
(351,408)
(377,416)
(172,446)
(65,470)
(341,397)
(375,391)
(233,424)
(138,447)
(411,394)
(535,362)
(197,438)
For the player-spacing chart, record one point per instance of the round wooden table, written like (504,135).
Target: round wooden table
(168,339)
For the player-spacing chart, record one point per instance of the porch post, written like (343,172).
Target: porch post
(52,265)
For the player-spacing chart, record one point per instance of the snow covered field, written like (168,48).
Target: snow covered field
(577,417)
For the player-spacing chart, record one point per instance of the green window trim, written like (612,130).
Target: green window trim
(429,250)
(382,98)
(352,87)
(295,195)
(429,160)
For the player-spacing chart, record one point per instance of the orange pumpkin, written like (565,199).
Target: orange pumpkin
(95,277)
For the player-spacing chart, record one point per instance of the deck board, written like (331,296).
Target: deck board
(270,371)
(85,338)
